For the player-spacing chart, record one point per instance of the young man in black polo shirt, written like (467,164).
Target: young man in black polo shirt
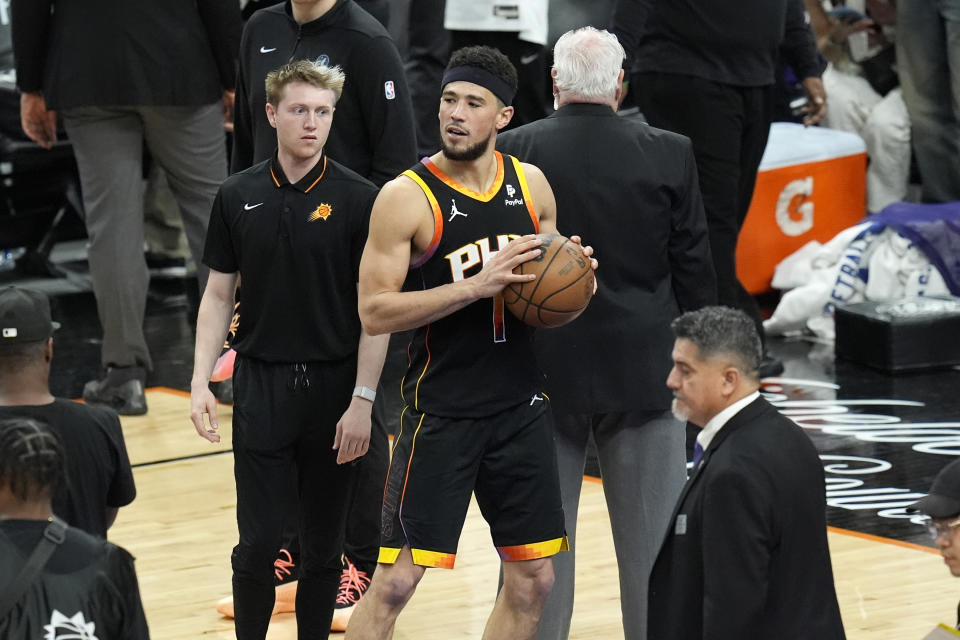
(293,228)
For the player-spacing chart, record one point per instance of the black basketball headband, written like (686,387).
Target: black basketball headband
(482,77)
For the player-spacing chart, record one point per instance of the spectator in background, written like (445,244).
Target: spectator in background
(928,60)
(80,583)
(864,97)
(122,75)
(427,55)
(98,476)
(643,212)
(942,508)
(379,9)
(706,69)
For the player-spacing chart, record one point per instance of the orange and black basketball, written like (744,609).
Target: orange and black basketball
(563,287)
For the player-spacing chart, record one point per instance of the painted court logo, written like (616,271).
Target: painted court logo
(63,628)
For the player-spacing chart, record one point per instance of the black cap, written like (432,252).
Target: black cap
(943,501)
(24,316)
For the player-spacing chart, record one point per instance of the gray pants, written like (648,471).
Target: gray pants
(188,143)
(643,465)
(928,60)
(162,226)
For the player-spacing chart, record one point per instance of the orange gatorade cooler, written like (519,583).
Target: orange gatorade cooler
(810,186)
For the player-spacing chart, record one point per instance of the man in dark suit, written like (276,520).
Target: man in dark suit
(633,191)
(746,553)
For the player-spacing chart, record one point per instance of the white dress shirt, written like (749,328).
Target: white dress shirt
(705,437)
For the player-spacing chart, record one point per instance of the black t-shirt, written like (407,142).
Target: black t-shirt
(88,583)
(98,475)
(297,248)
(479,360)
(734,43)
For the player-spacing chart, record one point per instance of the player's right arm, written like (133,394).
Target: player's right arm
(213,322)
(401,227)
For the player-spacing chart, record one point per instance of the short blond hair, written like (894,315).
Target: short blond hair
(306,71)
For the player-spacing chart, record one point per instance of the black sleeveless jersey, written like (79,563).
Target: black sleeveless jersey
(479,360)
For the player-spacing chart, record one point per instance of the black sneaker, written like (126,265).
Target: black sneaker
(122,389)
(769,366)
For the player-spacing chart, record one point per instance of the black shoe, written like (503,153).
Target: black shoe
(122,389)
(164,266)
(769,366)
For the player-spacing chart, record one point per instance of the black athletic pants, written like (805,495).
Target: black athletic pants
(362,542)
(284,422)
(728,126)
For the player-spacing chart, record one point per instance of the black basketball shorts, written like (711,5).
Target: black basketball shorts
(508,460)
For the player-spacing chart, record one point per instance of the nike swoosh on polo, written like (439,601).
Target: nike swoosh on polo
(249,206)
(523,59)
(266,50)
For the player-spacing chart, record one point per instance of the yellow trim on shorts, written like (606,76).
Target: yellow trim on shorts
(437,559)
(388,555)
(533,551)
(422,557)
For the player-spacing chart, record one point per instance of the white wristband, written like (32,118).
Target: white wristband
(364,392)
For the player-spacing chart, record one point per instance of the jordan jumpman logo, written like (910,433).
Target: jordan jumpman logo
(454,212)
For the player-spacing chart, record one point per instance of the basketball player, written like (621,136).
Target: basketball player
(475,419)
(293,227)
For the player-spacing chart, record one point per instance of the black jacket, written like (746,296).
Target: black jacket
(373,129)
(735,42)
(87,581)
(631,192)
(126,52)
(746,552)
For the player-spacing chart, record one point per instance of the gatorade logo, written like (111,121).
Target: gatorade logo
(794,212)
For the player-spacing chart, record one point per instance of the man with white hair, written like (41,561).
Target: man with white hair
(635,189)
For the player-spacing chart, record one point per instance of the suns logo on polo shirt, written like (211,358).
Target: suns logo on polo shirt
(320,213)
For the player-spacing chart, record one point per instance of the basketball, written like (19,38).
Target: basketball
(563,287)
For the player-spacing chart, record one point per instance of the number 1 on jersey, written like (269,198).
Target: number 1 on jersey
(499,327)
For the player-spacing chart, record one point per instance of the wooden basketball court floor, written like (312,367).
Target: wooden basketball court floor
(182,527)
(882,438)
